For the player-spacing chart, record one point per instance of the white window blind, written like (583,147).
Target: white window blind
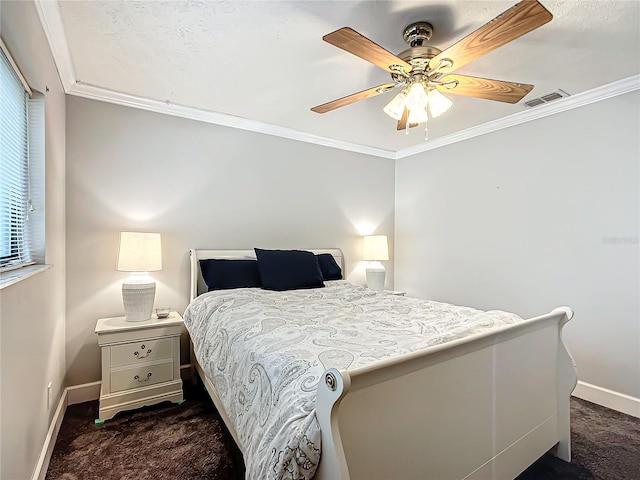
(14,169)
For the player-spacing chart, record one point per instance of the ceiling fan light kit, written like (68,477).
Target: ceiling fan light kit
(424,71)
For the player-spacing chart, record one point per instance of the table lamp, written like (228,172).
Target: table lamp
(139,253)
(374,249)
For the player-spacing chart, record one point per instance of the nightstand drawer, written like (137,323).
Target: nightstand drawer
(143,351)
(141,376)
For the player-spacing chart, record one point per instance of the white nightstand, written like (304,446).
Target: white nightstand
(140,363)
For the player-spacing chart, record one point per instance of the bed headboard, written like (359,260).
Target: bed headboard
(197,283)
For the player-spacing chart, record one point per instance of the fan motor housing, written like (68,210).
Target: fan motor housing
(418,58)
(418,54)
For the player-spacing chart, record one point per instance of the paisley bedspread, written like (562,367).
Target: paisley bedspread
(265,352)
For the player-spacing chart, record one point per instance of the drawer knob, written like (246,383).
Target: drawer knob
(137,377)
(137,354)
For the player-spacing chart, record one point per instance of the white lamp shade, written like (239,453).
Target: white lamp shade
(395,108)
(438,103)
(417,97)
(139,252)
(375,247)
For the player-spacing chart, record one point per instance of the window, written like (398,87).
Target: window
(21,118)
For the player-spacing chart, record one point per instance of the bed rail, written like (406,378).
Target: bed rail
(486,406)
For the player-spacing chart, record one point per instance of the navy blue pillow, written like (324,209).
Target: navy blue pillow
(328,266)
(221,274)
(288,269)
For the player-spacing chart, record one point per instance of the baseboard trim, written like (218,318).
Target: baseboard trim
(83,393)
(186,372)
(71,396)
(608,398)
(50,440)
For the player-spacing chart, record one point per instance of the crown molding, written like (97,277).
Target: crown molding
(51,21)
(612,89)
(49,14)
(85,90)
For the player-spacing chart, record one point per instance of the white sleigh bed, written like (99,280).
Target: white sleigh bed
(482,407)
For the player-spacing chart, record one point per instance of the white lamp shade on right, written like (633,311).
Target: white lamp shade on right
(374,249)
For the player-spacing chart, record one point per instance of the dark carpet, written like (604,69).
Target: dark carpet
(605,441)
(165,441)
(190,441)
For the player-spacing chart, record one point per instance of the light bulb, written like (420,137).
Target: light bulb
(395,108)
(438,103)
(417,97)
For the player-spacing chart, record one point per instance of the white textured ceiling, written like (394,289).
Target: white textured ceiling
(266,61)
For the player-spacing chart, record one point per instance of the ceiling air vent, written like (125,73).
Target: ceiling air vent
(534,103)
(549,97)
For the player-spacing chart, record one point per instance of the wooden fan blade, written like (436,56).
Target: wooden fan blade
(497,90)
(402,123)
(351,41)
(355,97)
(506,27)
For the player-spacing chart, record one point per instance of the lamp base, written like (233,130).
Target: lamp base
(375,276)
(137,297)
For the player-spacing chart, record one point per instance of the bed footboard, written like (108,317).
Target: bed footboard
(482,407)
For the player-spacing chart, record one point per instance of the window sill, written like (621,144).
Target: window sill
(19,274)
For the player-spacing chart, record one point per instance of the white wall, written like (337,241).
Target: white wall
(199,185)
(532,217)
(32,327)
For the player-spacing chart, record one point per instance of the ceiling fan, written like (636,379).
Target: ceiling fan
(423,71)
